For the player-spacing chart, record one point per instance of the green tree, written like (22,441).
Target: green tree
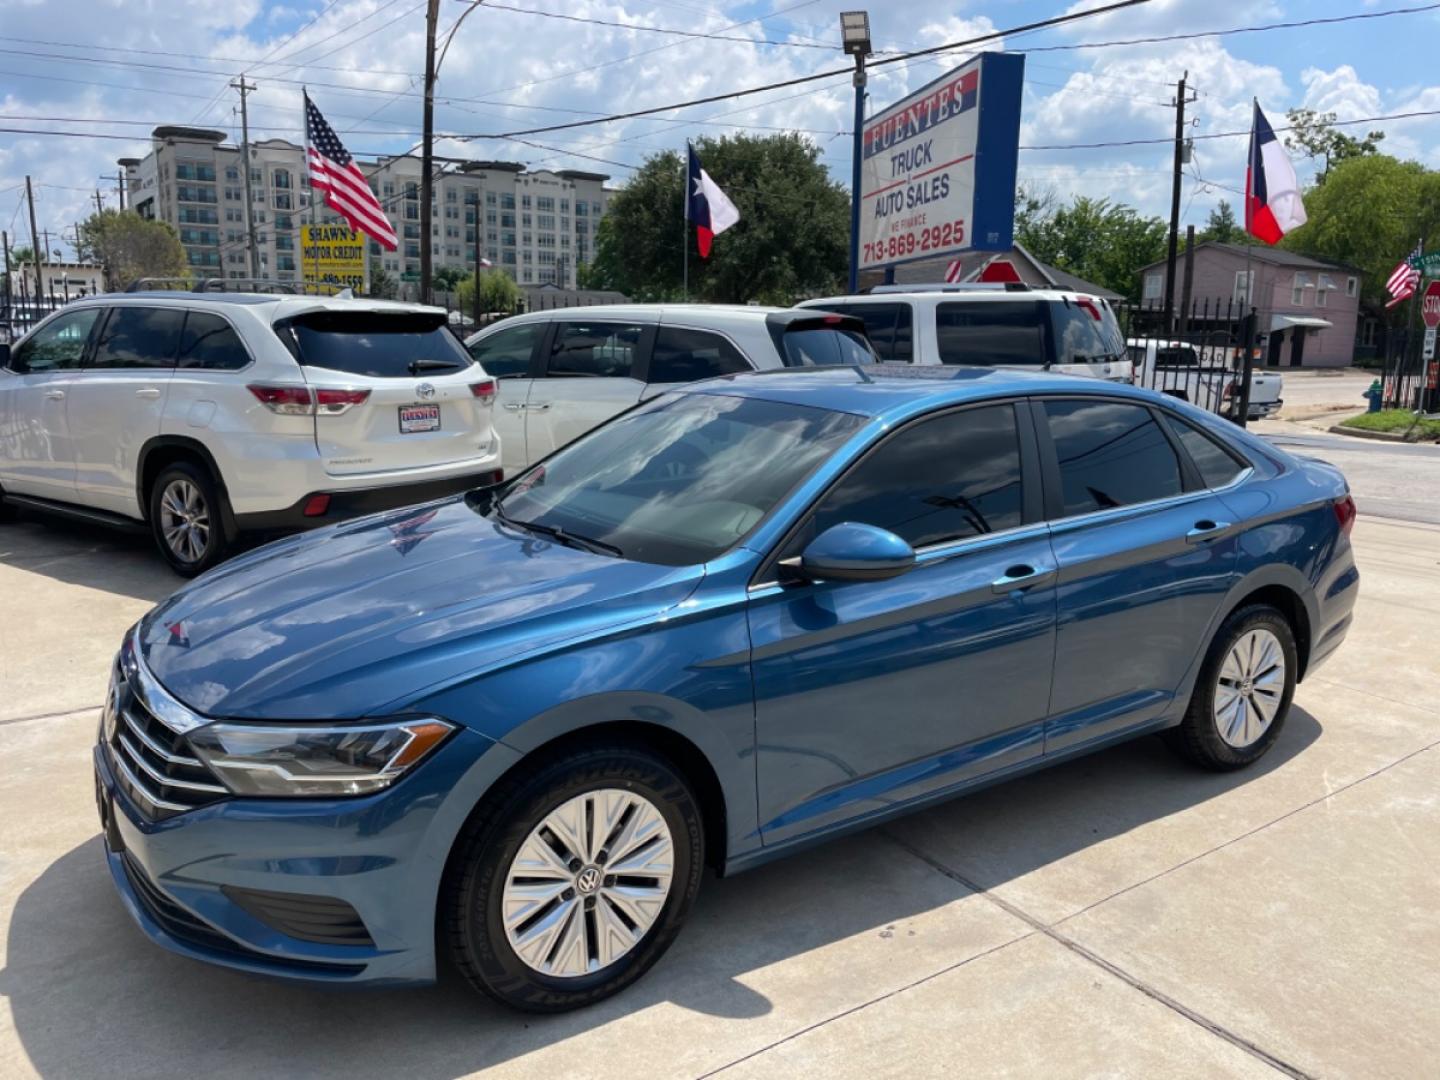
(585,275)
(129,246)
(23,254)
(1368,215)
(1097,240)
(1221,226)
(1314,135)
(448,277)
(498,292)
(383,285)
(792,239)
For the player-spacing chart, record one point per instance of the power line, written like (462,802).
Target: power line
(1229,134)
(659,29)
(248,61)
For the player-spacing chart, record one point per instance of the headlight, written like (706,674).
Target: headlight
(260,759)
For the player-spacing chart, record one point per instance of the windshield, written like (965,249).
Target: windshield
(380,344)
(677,481)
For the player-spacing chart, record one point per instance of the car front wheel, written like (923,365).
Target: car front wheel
(572,879)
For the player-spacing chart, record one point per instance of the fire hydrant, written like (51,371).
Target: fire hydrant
(1374,394)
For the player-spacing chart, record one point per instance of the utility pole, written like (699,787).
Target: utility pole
(1180,102)
(36,255)
(855,40)
(120,187)
(427,183)
(244,89)
(99,203)
(9,290)
(476,312)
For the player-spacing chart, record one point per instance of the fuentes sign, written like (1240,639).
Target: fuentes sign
(937,174)
(333,255)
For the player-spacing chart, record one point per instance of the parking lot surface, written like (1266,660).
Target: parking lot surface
(1122,914)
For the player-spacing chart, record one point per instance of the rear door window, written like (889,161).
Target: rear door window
(209,343)
(681,355)
(59,345)
(139,337)
(594,350)
(1085,332)
(378,344)
(506,353)
(1110,454)
(988,333)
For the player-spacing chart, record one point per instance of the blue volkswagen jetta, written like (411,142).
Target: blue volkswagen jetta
(512,728)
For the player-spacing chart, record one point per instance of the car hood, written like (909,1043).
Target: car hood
(354,620)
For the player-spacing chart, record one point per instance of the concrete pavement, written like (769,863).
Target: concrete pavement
(1122,914)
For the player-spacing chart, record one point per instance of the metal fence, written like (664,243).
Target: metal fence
(19,310)
(1206,355)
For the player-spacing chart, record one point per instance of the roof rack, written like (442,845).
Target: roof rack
(247,285)
(949,287)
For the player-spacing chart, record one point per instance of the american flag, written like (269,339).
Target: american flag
(333,171)
(1405,279)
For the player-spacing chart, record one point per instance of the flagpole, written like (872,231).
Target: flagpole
(1410,328)
(685,226)
(310,192)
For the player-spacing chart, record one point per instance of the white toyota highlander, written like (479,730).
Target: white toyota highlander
(203,416)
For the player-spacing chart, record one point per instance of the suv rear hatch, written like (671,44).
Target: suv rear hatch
(393,390)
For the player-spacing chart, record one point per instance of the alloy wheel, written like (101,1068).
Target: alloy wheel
(1250,688)
(588,883)
(184,520)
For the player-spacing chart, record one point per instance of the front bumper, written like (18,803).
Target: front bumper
(354,502)
(383,855)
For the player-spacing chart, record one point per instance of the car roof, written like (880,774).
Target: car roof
(955,293)
(884,390)
(651,312)
(284,303)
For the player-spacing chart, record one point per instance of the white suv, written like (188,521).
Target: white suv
(1010,326)
(565,370)
(204,415)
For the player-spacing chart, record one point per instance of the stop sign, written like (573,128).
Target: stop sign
(1430,305)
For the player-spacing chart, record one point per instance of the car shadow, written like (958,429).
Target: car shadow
(88,995)
(91,556)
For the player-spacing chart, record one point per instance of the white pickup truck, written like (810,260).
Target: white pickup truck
(1204,375)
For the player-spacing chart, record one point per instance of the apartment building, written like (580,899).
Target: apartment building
(536,226)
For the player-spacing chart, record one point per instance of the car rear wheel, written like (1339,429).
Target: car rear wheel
(1244,691)
(572,879)
(186,518)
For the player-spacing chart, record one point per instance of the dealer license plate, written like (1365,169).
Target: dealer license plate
(415,418)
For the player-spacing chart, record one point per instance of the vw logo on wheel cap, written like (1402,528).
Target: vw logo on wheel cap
(425,391)
(588,880)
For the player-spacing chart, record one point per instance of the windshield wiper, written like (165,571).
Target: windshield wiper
(559,535)
(417,366)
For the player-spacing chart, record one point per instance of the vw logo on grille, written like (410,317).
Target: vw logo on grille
(425,391)
(588,880)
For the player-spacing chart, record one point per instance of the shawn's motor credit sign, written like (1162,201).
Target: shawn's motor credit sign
(937,172)
(332,255)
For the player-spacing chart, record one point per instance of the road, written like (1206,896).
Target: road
(1308,393)
(1121,914)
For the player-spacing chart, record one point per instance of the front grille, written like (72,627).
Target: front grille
(326,920)
(152,763)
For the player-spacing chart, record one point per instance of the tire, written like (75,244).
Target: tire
(564,922)
(187,514)
(9,512)
(1239,677)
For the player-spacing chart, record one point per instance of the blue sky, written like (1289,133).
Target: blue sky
(509,69)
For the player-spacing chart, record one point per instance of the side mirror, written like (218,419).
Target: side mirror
(854,552)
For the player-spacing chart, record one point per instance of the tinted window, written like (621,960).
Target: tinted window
(681,479)
(1110,455)
(942,479)
(59,345)
(380,344)
(886,325)
(687,355)
(594,350)
(823,347)
(506,353)
(1173,358)
(1217,467)
(990,332)
(210,343)
(1085,332)
(138,337)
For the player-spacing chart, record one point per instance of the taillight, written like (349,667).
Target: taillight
(1229,391)
(286,400)
(484,390)
(334,402)
(1344,514)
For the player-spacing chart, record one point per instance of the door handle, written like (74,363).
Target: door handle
(147,392)
(540,407)
(1023,576)
(54,395)
(514,406)
(1206,530)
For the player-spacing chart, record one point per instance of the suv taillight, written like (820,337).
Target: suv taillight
(286,400)
(484,390)
(334,402)
(1344,514)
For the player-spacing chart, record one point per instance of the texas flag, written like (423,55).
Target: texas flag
(1272,191)
(706,206)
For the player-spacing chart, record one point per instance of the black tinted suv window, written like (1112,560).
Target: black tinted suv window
(888,326)
(594,350)
(1110,454)
(211,344)
(1217,466)
(139,337)
(941,479)
(991,332)
(682,355)
(1085,332)
(59,345)
(380,344)
(823,346)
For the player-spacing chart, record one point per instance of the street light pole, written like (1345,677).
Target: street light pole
(855,37)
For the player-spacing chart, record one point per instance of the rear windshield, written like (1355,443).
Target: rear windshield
(990,333)
(1085,332)
(886,325)
(825,346)
(378,344)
